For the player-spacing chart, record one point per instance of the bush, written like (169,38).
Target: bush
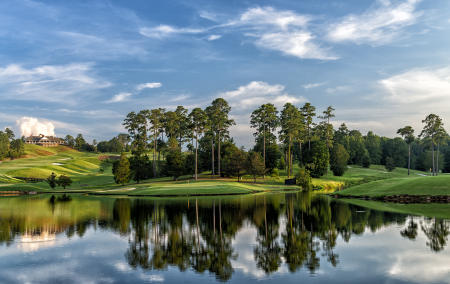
(339,159)
(318,161)
(366,160)
(390,164)
(303,178)
(275,173)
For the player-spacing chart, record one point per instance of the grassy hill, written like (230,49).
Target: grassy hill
(40,162)
(416,185)
(84,169)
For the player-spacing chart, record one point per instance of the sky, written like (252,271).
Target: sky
(73,67)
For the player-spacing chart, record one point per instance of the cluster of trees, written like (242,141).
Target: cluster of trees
(282,138)
(62,180)
(9,146)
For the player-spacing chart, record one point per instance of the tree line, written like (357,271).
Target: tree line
(10,147)
(178,142)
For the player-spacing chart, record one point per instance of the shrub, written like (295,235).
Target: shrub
(390,164)
(338,160)
(303,178)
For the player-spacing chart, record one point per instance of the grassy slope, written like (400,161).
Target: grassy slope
(430,210)
(417,185)
(83,168)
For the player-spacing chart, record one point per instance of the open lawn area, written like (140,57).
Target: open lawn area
(91,175)
(417,185)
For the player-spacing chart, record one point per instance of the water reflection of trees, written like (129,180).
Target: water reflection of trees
(296,230)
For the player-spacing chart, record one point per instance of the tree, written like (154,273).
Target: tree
(10,134)
(327,115)
(265,120)
(17,148)
(183,124)
(390,164)
(372,143)
(174,163)
(197,123)
(255,165)
(122,173)
(317,163)
(218,113)
(235,162)
(141,168)
(407,133)
(51,180)
(64,181)
(290,121)
(303,179)
(156,118)
(339,160)
(308,112)
(441,137)
(70,141)
(433,123)
(4,145)
(80,142)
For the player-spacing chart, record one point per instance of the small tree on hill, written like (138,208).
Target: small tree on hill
(51,180)
(303,179)
(338,160)
(255,165)
(122,171)
(64,181)
(390,164)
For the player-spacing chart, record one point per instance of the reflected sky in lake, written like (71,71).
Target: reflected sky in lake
(270,238)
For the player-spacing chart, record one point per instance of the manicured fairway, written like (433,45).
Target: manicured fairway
(419,185)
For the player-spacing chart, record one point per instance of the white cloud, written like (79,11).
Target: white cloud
(337,89)
(153,85)
(313,85)
(424,86)
(163,31)
(214,37)
(180,98)
(32,126)
(245,99)
(284,31)
(256,93)
(120,97)
(376,26)
(50,83)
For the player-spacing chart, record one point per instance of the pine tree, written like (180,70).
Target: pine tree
(122,173)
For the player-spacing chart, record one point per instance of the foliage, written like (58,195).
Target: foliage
(366,160)
(303,178)
(64,181)
(390,164)
(51,180)
(174,163)
(317,163)
(235,162)
(255,165)
(338,160)
(141,168)
(122,172)
(282,163)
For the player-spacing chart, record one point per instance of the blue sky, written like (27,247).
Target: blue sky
(81,66)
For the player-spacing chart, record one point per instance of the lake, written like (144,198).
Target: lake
(282,238)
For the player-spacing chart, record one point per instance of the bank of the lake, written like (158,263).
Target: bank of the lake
(419,188)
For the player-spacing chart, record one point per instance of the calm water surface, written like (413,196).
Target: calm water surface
(282,238)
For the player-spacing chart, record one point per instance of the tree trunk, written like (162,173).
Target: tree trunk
(409,158)
(437,160)
(218,155)
(289,158)
(432,155)
(264,150)
(212,154)
(154,153)
(196,155)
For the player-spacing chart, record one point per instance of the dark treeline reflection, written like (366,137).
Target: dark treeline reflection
(296,229)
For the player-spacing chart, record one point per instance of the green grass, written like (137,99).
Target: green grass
(439,185)
(428,209)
